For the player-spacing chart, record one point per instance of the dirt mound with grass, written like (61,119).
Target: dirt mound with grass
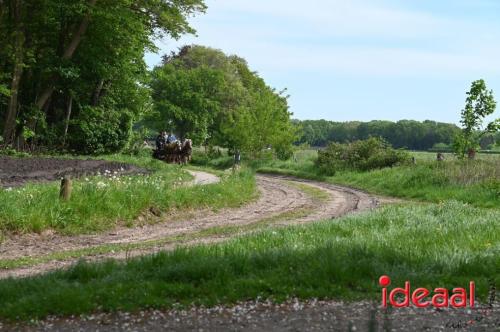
(15,172)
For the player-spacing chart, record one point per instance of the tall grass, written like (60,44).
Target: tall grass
(302,164)
(476,182)
(101,202)
(434,245)
(215,158)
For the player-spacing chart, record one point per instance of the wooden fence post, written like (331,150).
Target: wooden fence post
(65,193)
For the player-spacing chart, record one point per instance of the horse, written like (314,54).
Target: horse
(175,153)
(186,152)
(172,152)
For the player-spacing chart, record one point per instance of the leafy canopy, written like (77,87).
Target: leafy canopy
(215,99)
(87,54)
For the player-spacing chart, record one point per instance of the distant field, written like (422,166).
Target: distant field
(302,155)
(476,183)
(422,155)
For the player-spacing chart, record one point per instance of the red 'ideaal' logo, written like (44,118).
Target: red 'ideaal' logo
(440,299)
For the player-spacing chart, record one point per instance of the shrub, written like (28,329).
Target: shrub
(212,159)
(369,154)
(284,152)
(98,130)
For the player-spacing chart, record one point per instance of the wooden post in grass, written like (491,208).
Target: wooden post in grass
(65,193)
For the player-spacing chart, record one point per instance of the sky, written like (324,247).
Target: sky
(359,60)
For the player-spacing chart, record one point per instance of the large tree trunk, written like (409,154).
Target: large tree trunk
(68,54)
(10,120)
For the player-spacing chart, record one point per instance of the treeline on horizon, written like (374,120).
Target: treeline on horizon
(408,134)
(73,79)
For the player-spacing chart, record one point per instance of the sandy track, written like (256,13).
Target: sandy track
(277,197)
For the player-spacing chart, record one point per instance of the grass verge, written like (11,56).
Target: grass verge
(101,202)
(433,245)
(217,232)
(474,182)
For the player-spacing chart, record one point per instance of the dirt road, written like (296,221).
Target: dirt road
(282,200)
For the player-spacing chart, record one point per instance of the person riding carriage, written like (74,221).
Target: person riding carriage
(171,138)
(171,150)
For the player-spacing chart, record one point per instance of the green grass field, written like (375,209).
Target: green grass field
(102,202)
(432,245)
(475,182)
(446,242)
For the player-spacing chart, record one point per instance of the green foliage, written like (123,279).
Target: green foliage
(216,162)
(284,152)
(135,145)
(476,182)
(185,100)
(98,130)
(101,66)
(215,99)
(101,202)
(372,153)
(4,91)
(8,151)
(479,104)
(407,134)
(441,147)
(344,258)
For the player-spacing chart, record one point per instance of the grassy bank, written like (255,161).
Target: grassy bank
(475,182)
(431,245)
(101,202)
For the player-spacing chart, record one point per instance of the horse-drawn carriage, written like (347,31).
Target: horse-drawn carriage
(175,153)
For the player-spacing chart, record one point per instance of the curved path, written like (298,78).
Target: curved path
(282,200)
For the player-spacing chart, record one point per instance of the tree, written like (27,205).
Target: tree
(215,99)
(60,60)
(402,134)
(479,104)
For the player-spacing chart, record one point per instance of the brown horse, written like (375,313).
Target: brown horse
(186,152)
(175,153)
(172,152)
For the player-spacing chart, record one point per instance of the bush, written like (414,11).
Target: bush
(366,155)
(284,152)
(212,159)
(11,152)
(98,130)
